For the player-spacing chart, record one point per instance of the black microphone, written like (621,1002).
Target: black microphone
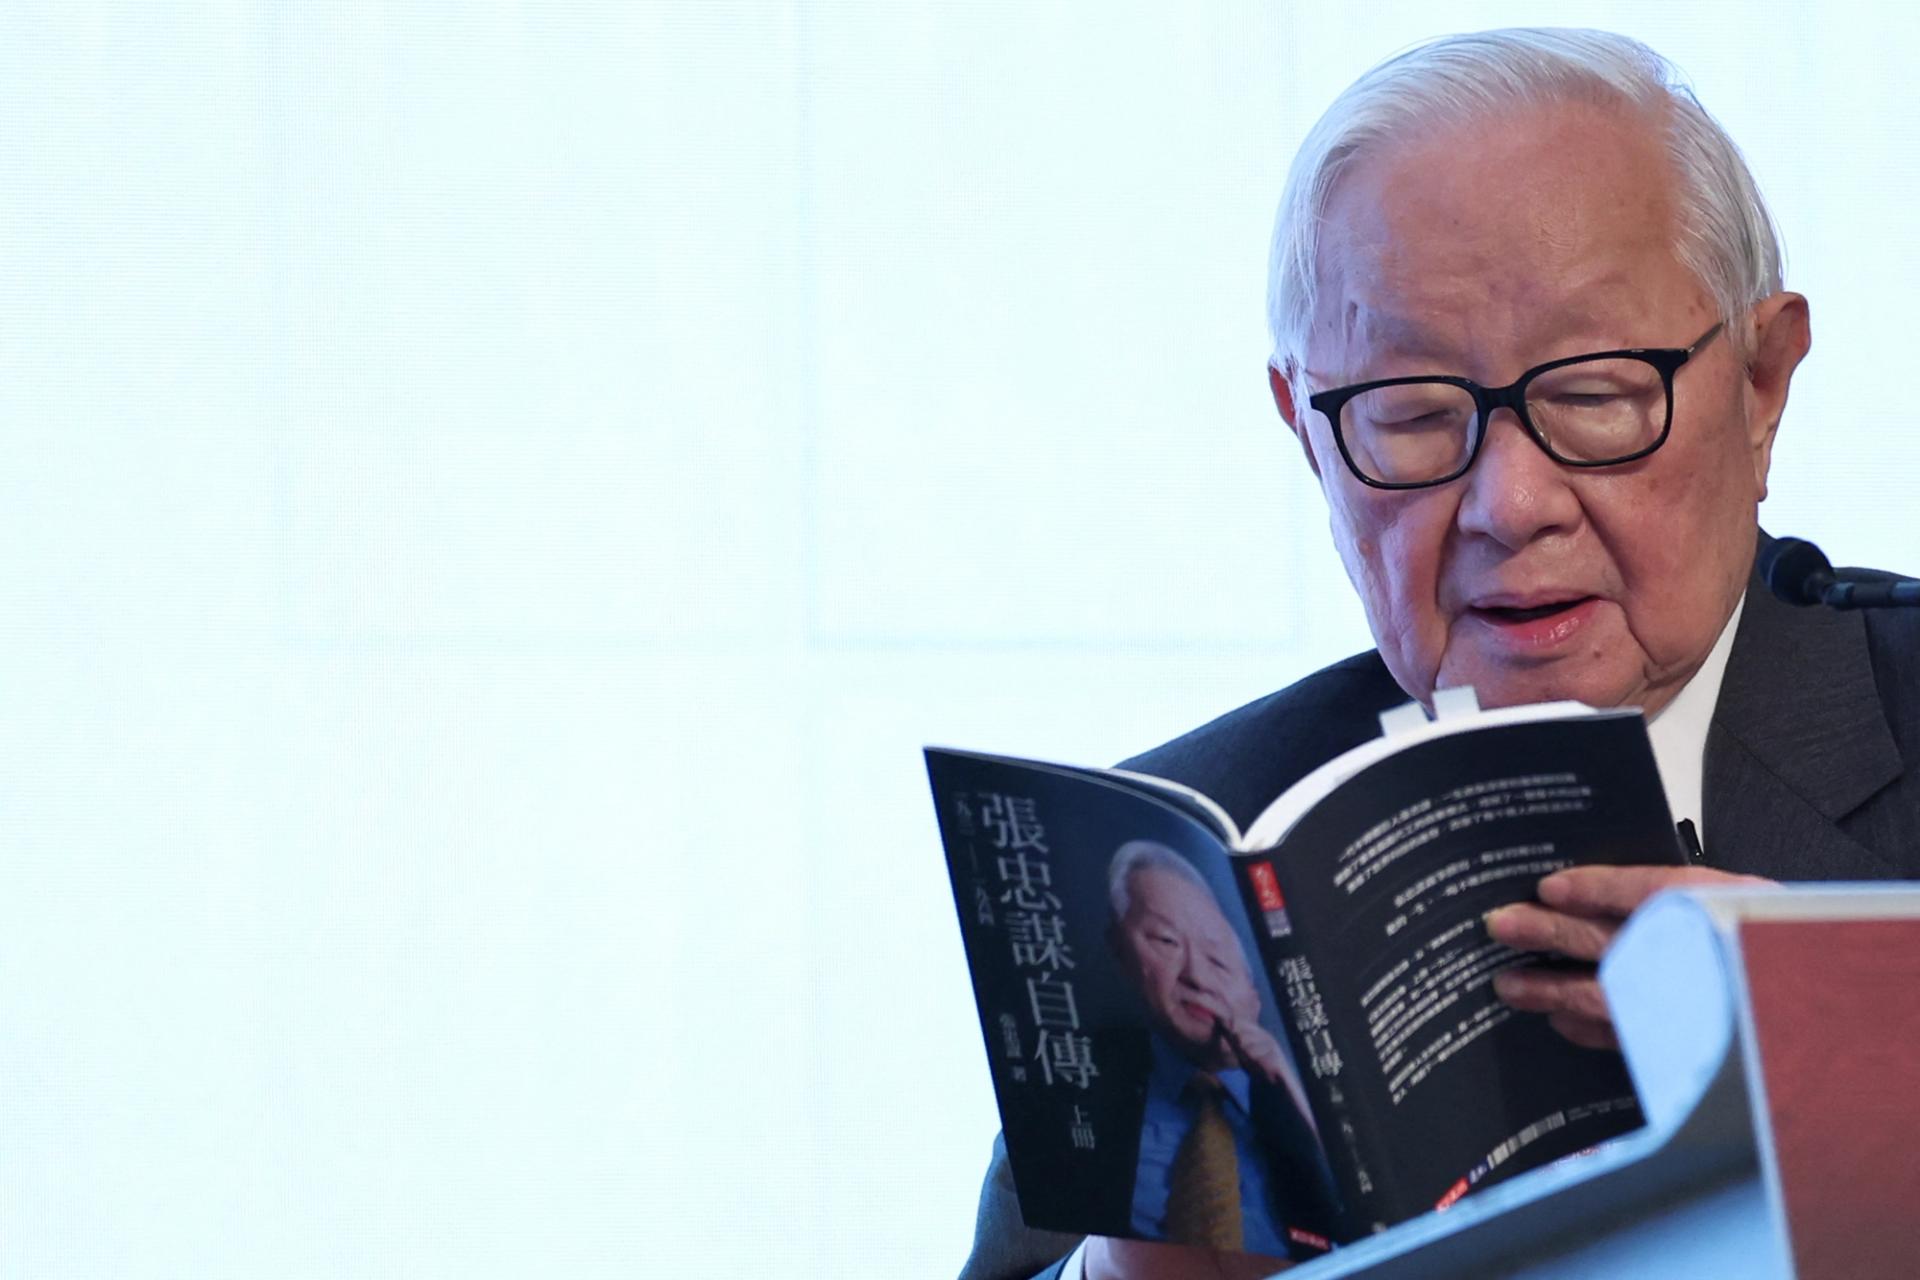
(1798,572)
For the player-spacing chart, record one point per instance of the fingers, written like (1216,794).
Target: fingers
(1585,1032)
(1547,991)
(1526,927)
(1583,906)
(1617,891)
(1580,911)
(1253,1047)
(1574,1003)
(1235,1048)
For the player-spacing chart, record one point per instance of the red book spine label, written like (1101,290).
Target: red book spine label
(1265,887)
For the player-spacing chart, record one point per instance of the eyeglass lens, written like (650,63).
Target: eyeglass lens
(1592,411)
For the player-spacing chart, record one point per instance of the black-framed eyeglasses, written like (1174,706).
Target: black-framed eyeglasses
(1596,410)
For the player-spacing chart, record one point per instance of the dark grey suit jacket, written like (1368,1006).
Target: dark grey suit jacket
(1812,773)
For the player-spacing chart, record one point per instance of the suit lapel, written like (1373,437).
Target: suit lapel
(1799,741)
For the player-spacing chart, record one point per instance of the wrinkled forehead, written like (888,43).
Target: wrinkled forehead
(1175,900)
(1560,222)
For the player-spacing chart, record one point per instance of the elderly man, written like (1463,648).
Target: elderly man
(1530,335)
(1221,1101)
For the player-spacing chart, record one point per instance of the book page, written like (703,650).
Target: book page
(1278,818)
(1381,954)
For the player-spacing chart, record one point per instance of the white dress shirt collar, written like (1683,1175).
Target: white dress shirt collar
(1679,730)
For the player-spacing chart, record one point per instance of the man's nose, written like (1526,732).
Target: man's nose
(1515,492)
(1189,967)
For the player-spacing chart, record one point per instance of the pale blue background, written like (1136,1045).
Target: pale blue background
(495,495)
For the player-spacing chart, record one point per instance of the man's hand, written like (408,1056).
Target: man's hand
(1579,912)
(1110,1259)
(1257,1052)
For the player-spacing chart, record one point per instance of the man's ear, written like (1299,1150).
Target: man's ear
(1291,412)
(1781,337)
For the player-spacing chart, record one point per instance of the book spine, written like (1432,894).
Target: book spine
(1322,1068)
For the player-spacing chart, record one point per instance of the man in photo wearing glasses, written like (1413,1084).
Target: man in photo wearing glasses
(1531,336)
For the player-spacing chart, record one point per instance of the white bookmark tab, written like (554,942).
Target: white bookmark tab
(1460,701)
(1402,719)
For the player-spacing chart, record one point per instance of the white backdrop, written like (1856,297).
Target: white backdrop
(495,495)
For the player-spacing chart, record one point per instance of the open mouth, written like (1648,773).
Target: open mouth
(1533,613)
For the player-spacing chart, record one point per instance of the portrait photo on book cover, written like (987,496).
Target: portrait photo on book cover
(1140,1058)
(1227,1153)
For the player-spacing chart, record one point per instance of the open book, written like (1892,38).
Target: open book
(1300,1016)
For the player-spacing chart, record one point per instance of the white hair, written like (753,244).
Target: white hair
(1136,856)
(1724,234)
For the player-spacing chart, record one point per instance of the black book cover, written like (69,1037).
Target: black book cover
(1329,999)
